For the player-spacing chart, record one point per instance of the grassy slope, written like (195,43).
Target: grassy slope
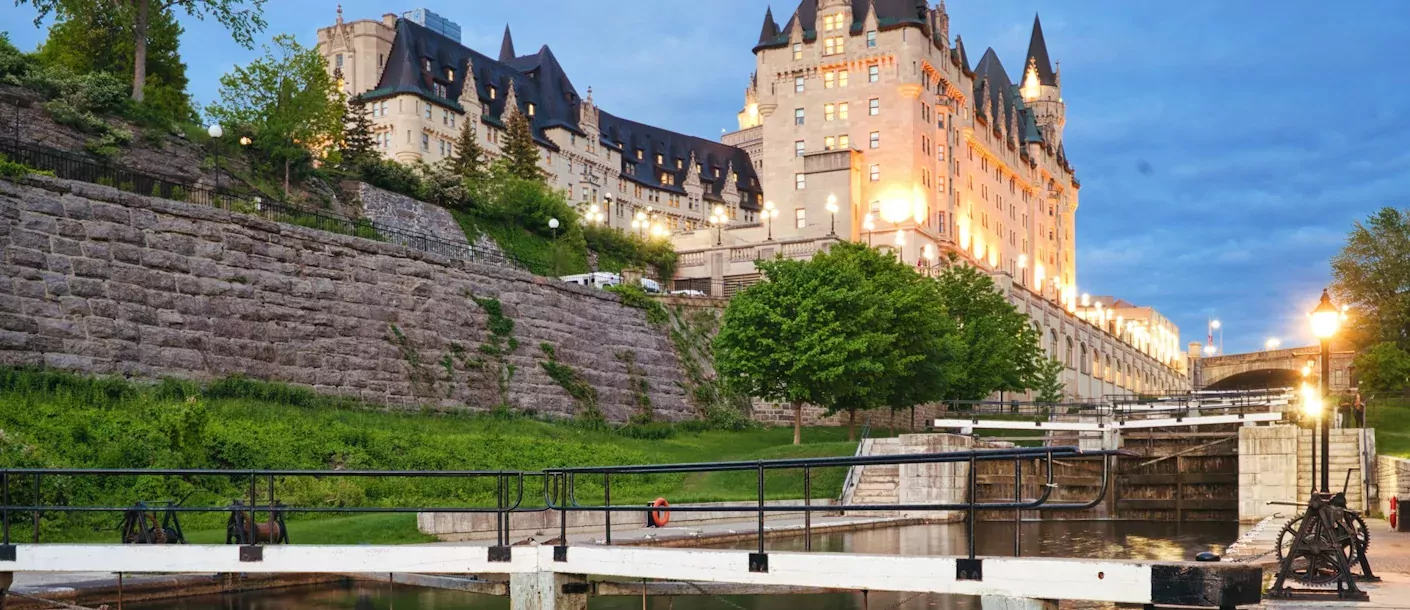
(64,421)
(1391,419)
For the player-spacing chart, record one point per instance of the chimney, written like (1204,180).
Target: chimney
(389,20)
(1196,350)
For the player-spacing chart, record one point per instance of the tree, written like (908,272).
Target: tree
(521,154)
(1371,274)
(469,160)
(1000,349)
(1048,383)
(358,143)
(846,330)
(100,38)
(1384,370)
(244,19)
(287,99)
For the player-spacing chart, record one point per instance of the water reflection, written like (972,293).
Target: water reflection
(1105,540)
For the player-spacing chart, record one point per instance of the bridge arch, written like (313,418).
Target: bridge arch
(1258,379)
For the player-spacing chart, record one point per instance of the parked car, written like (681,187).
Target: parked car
(688,293)
(650,285)
(600,279)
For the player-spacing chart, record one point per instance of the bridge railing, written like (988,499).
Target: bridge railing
(560,489)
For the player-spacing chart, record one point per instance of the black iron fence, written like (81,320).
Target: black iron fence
(1118,409)
(560,489)
(74,167)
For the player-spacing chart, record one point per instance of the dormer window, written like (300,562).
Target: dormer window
(426,65)
(639,154)
(492,93)
(450,74)
(531,108)
(660,159)
(679,164)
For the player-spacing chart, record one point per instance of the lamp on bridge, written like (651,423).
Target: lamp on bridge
(1326,321)
(1272,344)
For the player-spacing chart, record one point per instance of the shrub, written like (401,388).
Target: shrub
(633,296)
(13,170)
(392,176)
(14,64)
(65,113)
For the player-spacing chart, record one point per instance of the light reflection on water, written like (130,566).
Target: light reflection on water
(1105,540)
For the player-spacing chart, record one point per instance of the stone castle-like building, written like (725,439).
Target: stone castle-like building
(420,84)
(866,107)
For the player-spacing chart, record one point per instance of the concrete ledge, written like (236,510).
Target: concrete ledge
(481,526)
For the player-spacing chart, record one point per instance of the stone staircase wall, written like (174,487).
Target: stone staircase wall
(913,483)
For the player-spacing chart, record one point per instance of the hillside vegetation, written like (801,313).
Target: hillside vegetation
(54,419)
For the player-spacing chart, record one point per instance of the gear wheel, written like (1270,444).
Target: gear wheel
(1318,566)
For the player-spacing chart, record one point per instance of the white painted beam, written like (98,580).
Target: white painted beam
(1131,424)
(202,558)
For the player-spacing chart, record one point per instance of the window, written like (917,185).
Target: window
(842,111)
(873,74)
(443,147)
(426,64)
(829,80)
(492,92)
(874,106)
(834,45)
(871,39)
(841,78)
(340,61)
(875,172)
(425,142)
(800,218)
(450,74)
(797,148)
(380,60)
(940,152)
(445,117)
(874,140)
(531,109)
(439,90)
(679,163)
(797,84)
(843,141)
(428,111)
(829,143)
(384,108)
(797,116)
(797,50)
(660,159)
(799,181)
(452,120)
(829,112)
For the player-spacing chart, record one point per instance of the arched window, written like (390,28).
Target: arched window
(1054,342)
(1086,364)
(1107,371)
(1068,359)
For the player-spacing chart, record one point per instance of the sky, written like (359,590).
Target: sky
(1225,148)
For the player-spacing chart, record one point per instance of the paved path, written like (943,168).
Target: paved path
(1389,555)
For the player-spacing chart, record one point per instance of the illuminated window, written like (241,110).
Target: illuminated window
(800,218)
(680,164)
(873,74)
(829,112)
(797,50)
(797,116)
(426,65)
(875,173)
(799,181)
(829,80)
(797,84)
(834,45)
(843,141)
(492,93)
(797,151)
(871,39)
(874,140)
(531,109)
(829,143)
(450,74)
(873,106)
(842,111)
(638,156)
(841,78)
(660,159)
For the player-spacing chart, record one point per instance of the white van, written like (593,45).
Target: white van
(599,280)
(650,285)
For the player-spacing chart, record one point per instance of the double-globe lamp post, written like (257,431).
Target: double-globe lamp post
(1326,321)
(770,213)
(717,220)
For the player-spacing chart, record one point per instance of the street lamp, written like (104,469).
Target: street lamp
(1326,320)
(717,220)
(553,224)
(832,209)
(928,253)
(769,214)
(607,204)
(215,133)
(901,244)
(639,223)
(1272,344)
(868,225)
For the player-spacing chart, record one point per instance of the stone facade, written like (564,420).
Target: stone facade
(1275,465)
(403,213)
(1393,479)
(97,280)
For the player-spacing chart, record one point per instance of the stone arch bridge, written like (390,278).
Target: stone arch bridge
(1278,368)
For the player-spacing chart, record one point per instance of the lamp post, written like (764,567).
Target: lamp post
(607,205)
(770,212)
(1271,344)
(901,245)
(832,209)
(639,223)
(927,252)
(215,132)
(1326,320)
(717,220)
(868,225)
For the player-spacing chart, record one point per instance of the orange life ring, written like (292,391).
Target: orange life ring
(659,518)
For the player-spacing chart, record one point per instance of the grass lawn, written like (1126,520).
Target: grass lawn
(1391,419)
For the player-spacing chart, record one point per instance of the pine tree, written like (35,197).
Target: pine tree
(357,133)
(469,160)
(521,154)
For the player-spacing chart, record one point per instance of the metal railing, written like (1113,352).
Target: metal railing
(1119,409)
(560,487)
(69,166)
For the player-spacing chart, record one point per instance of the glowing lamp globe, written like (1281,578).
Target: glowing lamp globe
(215,131)
(1326,318)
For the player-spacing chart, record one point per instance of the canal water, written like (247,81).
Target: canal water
(1091,539)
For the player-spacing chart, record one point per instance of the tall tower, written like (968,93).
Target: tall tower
(1042,88)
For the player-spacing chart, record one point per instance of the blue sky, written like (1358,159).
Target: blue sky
(1225,148)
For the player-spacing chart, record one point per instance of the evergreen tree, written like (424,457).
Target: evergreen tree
(469,160)
(521,154)
(357,133)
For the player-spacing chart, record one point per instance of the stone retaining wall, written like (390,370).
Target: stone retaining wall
(406,214)
(1393,479)
(97,280)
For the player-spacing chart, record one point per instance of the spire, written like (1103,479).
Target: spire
(506,48)
(340,14)
(1038,53)
(770,30)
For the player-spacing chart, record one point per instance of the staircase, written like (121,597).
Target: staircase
(875,484)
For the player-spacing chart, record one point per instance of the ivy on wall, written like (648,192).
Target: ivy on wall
(573,383)
(500,344)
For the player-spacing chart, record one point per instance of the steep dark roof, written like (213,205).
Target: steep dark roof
(1038,52)
(629,136)
(506,46)
(540,80)
(998,99)
(889,14)
(960,54)
(770,29)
